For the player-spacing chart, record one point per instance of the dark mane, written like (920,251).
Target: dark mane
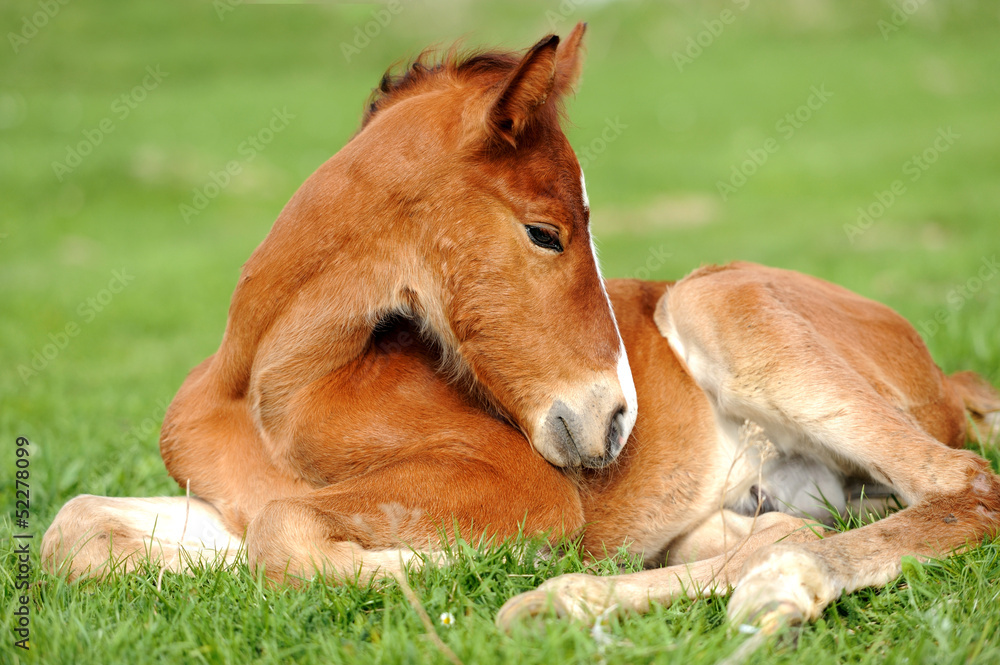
(396,84)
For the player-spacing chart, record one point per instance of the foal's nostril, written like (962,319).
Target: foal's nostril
(560,423)
(614,441)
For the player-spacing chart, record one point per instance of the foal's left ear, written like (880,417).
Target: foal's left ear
(523,91)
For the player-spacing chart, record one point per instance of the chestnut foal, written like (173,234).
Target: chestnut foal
(374,391)
(458,207)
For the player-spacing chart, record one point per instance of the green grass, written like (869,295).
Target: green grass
(93,411)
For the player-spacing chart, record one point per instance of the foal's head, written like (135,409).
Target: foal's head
(486,199)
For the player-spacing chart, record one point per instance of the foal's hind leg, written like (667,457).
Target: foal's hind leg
(737,537)
(373,524)
(93,535)
(849,381)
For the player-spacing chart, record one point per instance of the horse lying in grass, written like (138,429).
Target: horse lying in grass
(423,347)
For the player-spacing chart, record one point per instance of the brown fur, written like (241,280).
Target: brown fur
(390,341)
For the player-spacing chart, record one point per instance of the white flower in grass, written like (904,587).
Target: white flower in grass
(447,619)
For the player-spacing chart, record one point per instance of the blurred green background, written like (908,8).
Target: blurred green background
(673,97)
(674,133)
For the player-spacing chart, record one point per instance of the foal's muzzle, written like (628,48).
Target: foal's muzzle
(584,439)
(588,423)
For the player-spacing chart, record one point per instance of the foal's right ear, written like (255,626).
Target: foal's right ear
(523,92)
(569,60)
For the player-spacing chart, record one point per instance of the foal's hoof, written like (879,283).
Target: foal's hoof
(526,606)
(781,586)
(775,615)
(574,596)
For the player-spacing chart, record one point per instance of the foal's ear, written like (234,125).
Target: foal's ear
(523,91)
(569,61)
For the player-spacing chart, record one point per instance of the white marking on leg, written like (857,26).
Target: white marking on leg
(90,534)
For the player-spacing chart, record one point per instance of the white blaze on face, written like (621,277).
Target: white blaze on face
(628,389)
(625,379)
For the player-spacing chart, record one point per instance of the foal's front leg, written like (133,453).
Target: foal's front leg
(374,524)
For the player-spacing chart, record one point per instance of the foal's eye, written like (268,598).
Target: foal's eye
(544,237)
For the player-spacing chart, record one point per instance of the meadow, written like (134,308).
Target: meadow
(857,141)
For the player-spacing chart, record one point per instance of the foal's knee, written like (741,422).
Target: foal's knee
(291,541)
(275,539)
